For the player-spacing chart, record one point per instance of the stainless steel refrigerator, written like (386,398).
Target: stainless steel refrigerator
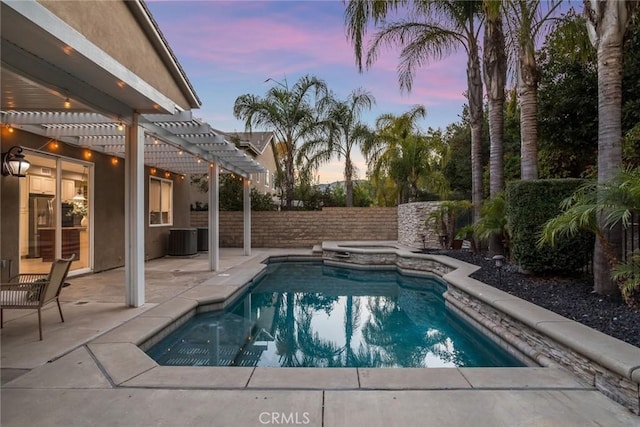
(41,215)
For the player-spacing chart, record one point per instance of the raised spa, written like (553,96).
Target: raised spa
(307,314)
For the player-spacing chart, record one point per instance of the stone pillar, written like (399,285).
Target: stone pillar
(411,225)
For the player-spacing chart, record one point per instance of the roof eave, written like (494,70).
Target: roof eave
(144,17)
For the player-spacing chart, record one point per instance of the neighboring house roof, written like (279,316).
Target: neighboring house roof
(254,141)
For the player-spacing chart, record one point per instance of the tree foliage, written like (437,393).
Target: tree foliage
(343,132)
(414,161)
(231,194)
(568,108)
(431,31)
(596,208)
(291,113)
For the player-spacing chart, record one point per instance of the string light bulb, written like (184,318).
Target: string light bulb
(120,126)
(67,103)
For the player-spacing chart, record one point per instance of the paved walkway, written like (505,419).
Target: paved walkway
(71,378)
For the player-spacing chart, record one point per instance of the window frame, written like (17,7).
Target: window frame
(170,212)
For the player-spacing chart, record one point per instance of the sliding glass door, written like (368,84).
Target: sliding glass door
(55,214)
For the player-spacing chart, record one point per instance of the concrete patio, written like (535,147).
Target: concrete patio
(86,372)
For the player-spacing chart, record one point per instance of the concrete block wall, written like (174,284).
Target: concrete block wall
(411,225)
(297,229)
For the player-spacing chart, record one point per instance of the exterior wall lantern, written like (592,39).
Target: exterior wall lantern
(14,163)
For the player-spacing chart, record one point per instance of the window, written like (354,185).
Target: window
(160,201)
(266,179)
(258,178)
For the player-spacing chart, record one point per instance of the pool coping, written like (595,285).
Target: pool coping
(611,365)
(119,354)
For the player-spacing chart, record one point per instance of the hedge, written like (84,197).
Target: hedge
(529,205)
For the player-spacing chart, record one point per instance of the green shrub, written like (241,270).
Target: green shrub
(529,205)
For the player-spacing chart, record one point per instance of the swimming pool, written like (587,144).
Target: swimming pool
(306,314)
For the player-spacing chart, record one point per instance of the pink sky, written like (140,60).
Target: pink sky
(230,48)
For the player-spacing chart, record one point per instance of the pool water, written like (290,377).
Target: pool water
(306,314)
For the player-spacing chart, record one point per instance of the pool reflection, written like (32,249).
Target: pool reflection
(310,315)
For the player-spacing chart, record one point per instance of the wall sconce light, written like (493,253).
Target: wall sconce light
(114,161)
(54,145)
(153,171)
(120,126)
(167,174)
(87,154)
(67,103)
(14,163)
(9,128)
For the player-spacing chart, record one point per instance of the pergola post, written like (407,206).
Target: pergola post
(214,217)
(134,214)
(247,216)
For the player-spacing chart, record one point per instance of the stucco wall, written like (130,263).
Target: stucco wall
(157,238)
(9,213)
(108,205)
(111,26)
(266,159)
(305,228)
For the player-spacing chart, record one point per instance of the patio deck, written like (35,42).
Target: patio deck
(68,378)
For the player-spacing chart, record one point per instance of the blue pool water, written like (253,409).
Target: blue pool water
(308,314)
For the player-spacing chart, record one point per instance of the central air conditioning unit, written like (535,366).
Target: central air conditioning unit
(183,241)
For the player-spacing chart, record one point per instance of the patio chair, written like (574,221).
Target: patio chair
(33,291)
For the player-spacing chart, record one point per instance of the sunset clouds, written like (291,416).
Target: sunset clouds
(230,48)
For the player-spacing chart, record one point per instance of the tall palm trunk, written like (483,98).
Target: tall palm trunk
(474,81)
(528,77)
(495,76)
(289,177)
(609,47)
(348,180)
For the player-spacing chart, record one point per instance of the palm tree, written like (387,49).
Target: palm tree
(411,159)
(344,131)
(495,77)
(526,20)
(598,208)
(287,346)
(290,112)
(607,23)
(435,29)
